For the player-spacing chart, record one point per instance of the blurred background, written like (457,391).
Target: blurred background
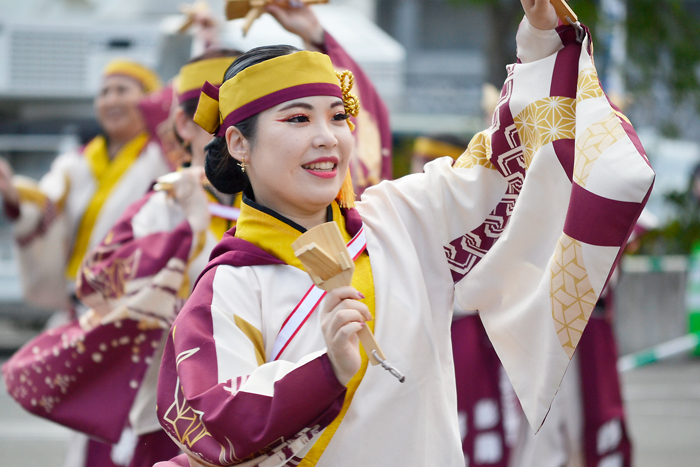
(429,59)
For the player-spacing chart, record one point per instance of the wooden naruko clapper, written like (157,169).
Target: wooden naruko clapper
(325,257)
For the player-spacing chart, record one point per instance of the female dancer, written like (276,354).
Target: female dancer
(57,220)
(103,360)
(251,376)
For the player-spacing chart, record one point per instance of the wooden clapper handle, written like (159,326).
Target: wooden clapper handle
(564,11)
(567,16)
(325,257)
(252,10)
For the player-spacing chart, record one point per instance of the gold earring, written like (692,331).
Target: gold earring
(243,164)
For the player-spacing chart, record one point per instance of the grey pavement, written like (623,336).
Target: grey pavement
(663,406)
(663,409)
(26,440)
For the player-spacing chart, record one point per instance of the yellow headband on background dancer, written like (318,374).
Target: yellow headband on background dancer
(147,78)
(431,148)
(193,76)
(273,82)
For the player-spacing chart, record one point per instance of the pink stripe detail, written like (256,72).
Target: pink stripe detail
(297,307)
(360,252)
(355,237)
(597,220)
(353,241)
(301,325)
(278,97)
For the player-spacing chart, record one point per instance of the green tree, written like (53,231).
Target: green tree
(663,44)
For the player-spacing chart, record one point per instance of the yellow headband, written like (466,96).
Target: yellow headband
(193,76)
(148,79)
(267,84)
(433,148)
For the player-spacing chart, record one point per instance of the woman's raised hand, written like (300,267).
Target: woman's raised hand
(540,14)
(297,18)
(342,316)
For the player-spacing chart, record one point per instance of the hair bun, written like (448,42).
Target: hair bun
(222,170)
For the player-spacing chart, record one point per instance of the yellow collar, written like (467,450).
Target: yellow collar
(274,233)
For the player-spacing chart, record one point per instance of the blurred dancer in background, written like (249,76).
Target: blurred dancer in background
(137,279)
(58,219)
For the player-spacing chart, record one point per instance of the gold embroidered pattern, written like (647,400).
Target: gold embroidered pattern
(591,144)
(544,121)
(110,281)
(478,153)
(572,295)
(588,85)
(185,422)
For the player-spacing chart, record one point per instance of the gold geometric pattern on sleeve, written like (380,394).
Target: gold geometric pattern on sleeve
(478,153)
(544,121)
(111,281)
(591,144)
(186,422)
(571,293)
(588,85)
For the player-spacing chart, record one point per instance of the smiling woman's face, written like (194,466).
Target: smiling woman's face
(117,107)
(300,155)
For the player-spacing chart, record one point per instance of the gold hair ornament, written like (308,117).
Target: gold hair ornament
(351,102)
(346,196)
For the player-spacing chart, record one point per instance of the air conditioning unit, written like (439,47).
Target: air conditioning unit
(48,60)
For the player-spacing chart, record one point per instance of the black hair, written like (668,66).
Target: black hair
(223,171)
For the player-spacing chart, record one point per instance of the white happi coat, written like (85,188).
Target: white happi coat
(51,215)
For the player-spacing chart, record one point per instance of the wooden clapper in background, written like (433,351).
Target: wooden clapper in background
(252,10)
(325,257)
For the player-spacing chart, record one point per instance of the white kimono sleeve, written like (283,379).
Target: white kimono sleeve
(41,231)
(533,217)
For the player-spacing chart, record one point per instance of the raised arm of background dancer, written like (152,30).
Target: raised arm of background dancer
(40,231)
(218,398)
(374,142)
(138,271)
(8,192)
